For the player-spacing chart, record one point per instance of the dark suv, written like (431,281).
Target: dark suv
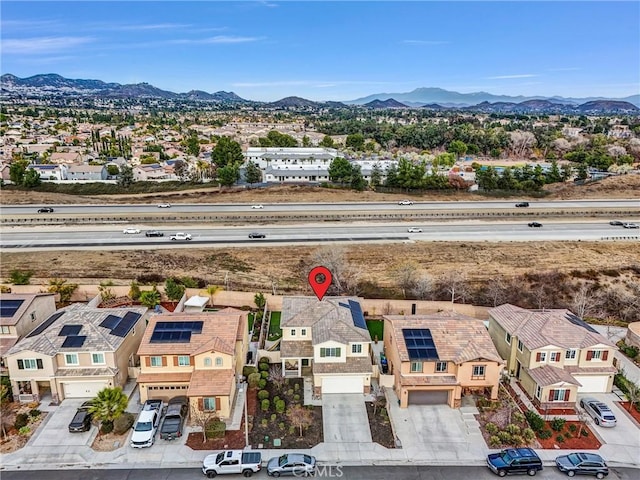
(81,421)
(174,418)
(45,210)
(522,204)
(582,464)
(514,460)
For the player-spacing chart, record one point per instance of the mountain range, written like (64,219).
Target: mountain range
(426,98)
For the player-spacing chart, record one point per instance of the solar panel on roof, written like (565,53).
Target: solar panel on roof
(74,341)
(419,343)
(8,308)
(127,323)
(357,315)
(111,322)
(576,320)
(70,330)
(171,336)
(46,324)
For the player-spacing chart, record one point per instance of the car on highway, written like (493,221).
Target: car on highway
(173,423)
(180,236)
(405,202)
(45,210)
(257,235)
(131,230)
(514,460)
(296,464)
(414,230)
(81,421)
(582,464)
(534,224)
(153,233)
(164,205)
(522,204)
(630,225)
(616,223)
(599,411)
(257,207)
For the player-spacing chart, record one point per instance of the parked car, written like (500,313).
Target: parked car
(131,230)
(81,421)
(45,210)
(153,404)
(145,428)
(257,235)
(297,464)
(535,224)
(414,230)
(616,223)
(180,236)
(599,411)
(174,418)
(405,202)
(630,225)
(522,204)
(257,206)
(153,233)
(164,205)
(514,460)
(232,461)
(582,464)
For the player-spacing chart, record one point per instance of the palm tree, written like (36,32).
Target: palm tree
(109,404)
(212,290)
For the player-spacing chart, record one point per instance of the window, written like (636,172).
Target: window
(356,348)
(218,361)
(416,367)
(207,362)
(559,395)
(441,366)
(71,358)
(156,361)
(303,332)
(29,364)
(600,355)
(293,332)
(555,357)
(538,391)
(478,372)
(33,316)
(507,338)
(520,346)
(330,352)
(541,357)
(5,329)
(570,355)
(209,404)
(184,360)
(97,358)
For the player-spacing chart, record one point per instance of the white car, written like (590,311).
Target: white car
(630,225)
(405,202)
(257,206)
(164,205)
(131,230)
(414,230)
(180,236)
(145,428)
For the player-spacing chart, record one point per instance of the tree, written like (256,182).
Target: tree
(633,394)
(212,290)
(458,147)
(31,179)
(260,300)
(345,276)
(300,417)
(173,289)
(305,141)
(202,418)
(17,171)
(61,287)
(108,405)
(105,290)
(229,174)
(422,287)
(376,175)
(327,142)
(455,283)
(150,298)
(193,145)
(226,152)
(405,275)
(252,173)
(134,291)
(357,180)
(340,170)
(355,141)
(113,170)
(126,176)
(379,400)
(554,175)
(20,277)
(586,301)
(496,291)
(582,172)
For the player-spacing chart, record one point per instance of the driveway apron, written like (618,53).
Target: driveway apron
(344,418)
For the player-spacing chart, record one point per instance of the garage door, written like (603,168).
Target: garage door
(82,389)
(592,384)
(342,385)
(429,398)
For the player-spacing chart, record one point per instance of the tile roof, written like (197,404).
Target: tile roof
(28,300)
(166,377)
(210,383)
(98,339)
(425,380)
(457,338)
(537,329)
(6,343)
(548,375)
(296,349)
(87,372)
(352,365)
(575,370)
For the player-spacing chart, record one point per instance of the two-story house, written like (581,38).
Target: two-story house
(76,352)
(437,358)
(19,314)
(553,353)
(329,339)
(87,172)
(198,355)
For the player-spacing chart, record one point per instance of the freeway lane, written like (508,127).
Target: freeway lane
(113,236)
(311,207)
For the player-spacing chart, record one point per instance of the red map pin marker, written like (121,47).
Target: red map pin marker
(319,285)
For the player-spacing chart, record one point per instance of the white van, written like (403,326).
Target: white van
(145,428)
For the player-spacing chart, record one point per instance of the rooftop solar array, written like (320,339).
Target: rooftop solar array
(111,321)
(193,327)
(175,332)
(74,341)
(357,315)
(46,324)
(576,320)
(8,308)
(420,344)
(70,330)
(126,324)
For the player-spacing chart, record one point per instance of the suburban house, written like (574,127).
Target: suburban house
(87,172)
(19,314)
(153,171)
(50,171)
(198,355)
(76,352)
(328,339)
(554,354)
(438,358)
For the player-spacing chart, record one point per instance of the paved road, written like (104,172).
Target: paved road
(312,207)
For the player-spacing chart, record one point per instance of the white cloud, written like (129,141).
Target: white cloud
(218,39)
(507,77)
(40,45)
(424,42)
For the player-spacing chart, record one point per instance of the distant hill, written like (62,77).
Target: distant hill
(608,106)
(293,102)
(389,103)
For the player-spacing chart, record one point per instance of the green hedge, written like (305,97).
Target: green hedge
(215,429)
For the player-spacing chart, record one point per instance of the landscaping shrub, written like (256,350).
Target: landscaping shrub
(34,413)
(262,383)
(495,441)
(585,433)
(505,437)
(274,417)
(280,406)
(215,429)
(263,367)
(276,399)
(492,428)
(264,374)
(106,427)
(262,394)
(517,417)
(22,419)
(248,370)
(528,434)
(296,387)
(281,426)
(513,429)
(264,422)
(557,424)
(560,439)
(573,428)
(265,404)
(535,421)
(290,392)
(296,398)
(568,435)
(517,440)
(253,379)
(123,423)
(544,434)
(24,430)
(264,360)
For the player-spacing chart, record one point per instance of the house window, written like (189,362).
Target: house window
(356,348)
(30,364)
(570,354)
(184,361)
(218,361)
(207,362)
(209,404)
(330,352)
(156,361)
(478,372)
(97,358)
(441,366)
(555,357)
(5,329)
(507,338)
(541,357)
(599,355)
(71,358)
(303,332)
(293,332)
(559,395)
(416,367)
(33,316)
(538,391)
(520,346)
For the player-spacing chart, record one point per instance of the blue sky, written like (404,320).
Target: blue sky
(266,50)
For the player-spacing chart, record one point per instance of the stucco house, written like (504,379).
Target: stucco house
(198,355)
(87,172)
(554,354)
(437,358)
(76,352)
(328,339)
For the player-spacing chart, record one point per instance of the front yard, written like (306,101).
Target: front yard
(19,422)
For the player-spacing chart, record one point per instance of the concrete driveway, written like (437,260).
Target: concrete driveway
(344,418)
(55,430)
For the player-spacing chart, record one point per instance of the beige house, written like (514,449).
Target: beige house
(75,353)
(199,355)
(435,359)
(328,339)
(19,314)
(553,353)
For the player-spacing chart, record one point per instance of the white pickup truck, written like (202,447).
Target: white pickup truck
(232,461)
(180,236)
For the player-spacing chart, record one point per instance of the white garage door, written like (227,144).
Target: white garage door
(592,384)
(82,389)
(342,385)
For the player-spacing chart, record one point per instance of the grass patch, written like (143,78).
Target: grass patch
(274,326)
(376,327)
